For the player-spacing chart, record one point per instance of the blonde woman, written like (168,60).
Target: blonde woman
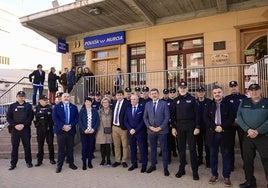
(104,134)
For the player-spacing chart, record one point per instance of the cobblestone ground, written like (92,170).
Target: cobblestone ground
(119,177)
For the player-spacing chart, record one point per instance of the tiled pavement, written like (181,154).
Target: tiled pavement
(108,177)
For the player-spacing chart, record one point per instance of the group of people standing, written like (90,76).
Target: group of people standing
(132,120)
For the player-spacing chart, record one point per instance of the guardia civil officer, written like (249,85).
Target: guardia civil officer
(44,129)
(235,99)
(19,117)
(185,122)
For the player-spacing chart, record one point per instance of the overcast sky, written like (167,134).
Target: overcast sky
(25,7)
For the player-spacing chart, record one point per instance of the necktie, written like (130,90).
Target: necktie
(66,110)
(133,111)
(218,114)
(154,107)
(117,113)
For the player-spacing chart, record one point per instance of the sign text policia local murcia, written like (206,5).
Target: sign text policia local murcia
(104,40)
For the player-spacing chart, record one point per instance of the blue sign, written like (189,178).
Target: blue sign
(104,40)
(61,46)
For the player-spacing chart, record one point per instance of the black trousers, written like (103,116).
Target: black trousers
(200,142)
(25,136)
(43,135)
(184,136)
(240,134)
(250,146)
(65,145)
(105,151)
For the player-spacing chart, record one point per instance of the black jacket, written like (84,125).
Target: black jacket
(227,118)
(52,82)
(38,79)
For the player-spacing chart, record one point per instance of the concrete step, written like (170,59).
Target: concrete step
(5,145)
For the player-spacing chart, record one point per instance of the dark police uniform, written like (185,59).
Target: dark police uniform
(201,137)
(185,119)
(235,100)
(170,138)
(44,129)
(20,114)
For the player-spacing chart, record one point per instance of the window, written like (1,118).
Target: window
(137,65)
(80,60)
(184,61)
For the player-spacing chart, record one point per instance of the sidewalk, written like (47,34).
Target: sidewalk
(119,177)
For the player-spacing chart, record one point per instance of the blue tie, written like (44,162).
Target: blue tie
(117,113)
(66,110)
(154,107)
(133,111)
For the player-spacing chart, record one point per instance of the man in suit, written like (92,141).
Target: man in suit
(65,117)
(119,130)
(38,82)
(156,117)
(218,117)
(136,133)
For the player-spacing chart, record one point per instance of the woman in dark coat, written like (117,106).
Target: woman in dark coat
(88,124)
(52,85)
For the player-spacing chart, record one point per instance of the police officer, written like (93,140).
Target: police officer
(172,93)
(235,99)
(58,97)
(170,138)
(185,123)
(202,101)
(97,102)
(145,96)
(127,93)
(19,117)
(44,129)
(137,91)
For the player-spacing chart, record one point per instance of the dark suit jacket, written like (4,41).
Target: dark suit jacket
(135,122)
(58,117)
(227,118)
(122,112)
(37,77)
(82,121)
(159,119)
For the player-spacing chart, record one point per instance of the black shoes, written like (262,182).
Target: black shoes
(143,168)
(73,166)
(90,165)
(84,166)
(108,163)
(29,165)
(152,168)
(166,172)
(12,167)
(124,164)
(38,164)
(58,169)
(102,163)
(116,164)
(195,176)
(133,167)
(52,161)
(247,185)
(180,173)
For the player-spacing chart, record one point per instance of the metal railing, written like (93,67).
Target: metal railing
(245,74)
(9,96)
(205,76)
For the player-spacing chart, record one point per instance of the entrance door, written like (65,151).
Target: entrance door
(103,72)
